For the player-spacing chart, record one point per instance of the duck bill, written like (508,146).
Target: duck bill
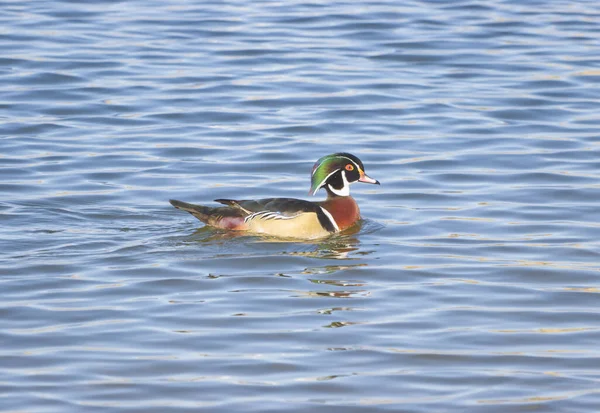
(367,179)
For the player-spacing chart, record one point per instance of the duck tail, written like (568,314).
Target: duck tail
(220,217)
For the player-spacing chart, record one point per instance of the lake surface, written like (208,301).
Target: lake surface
(472,285)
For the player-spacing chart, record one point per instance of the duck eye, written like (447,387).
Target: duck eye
(349,167)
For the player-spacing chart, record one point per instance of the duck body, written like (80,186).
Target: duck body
(290,217)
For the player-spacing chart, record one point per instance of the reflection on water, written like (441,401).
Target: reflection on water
(337,294)
(340,247)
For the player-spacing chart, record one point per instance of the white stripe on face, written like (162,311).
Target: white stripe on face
(345,190)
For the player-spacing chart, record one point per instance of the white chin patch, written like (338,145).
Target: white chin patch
(343,191)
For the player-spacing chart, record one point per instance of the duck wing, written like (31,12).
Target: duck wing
(286,207)
(280,209)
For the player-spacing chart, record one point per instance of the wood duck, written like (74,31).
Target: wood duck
(289,217)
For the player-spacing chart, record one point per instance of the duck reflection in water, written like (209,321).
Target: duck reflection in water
(341,255)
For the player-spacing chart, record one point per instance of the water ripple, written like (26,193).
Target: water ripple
(471,284)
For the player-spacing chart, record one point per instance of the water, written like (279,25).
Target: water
(472,284)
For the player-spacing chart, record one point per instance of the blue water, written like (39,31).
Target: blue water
(472,285)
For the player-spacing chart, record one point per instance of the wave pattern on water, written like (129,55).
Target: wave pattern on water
(472,285)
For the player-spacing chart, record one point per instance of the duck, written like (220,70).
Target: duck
(291,217)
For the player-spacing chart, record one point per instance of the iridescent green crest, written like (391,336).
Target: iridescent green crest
(327,166)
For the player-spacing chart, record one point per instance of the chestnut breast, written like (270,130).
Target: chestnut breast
(343,209)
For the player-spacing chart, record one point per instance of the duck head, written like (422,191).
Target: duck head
(336,172)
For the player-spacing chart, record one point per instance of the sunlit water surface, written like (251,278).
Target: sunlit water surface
(471,285)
